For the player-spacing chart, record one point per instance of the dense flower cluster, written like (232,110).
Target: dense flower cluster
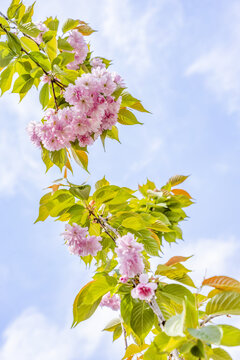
(80,49)
(144,290)
(129,255)
(111,301)
(80,242)
(92,110)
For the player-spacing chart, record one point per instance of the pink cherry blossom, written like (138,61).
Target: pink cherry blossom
(144,290)
(46,79)
(129,255)
(97,62)
(80,242)
(32,130)
(80,49)
(91,110)
(123,279)
(111,301)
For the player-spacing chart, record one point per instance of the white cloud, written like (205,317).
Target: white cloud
(220,65)
(32,335)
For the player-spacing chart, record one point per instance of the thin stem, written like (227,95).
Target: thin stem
(209,318)
(54,95)
(103,223)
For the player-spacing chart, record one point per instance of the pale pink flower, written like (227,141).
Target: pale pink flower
(123,279)
(46,79)
(144,290)
(80,242)
(97,62)
(80,49)
(33,132)
(111,301)
(118,79)
(129,255)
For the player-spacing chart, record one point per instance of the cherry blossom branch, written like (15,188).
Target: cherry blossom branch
(57,82)
(116,233)
(103,223)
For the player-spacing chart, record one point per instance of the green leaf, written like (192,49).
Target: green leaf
(231,335)
(6,78)
(52,24)
(198,350)
(63,59)
(80,157)
(51,48)
(44,95)
(142,319)
(126,117)
(177,179)
(69,25)
(177,293)
(126,307)
(210,334)
(13,8)
(220,354)
(23,84)
(89,297)
(46,159)
(113,133)
(117,332)
(28,44)
(224,303)
(41,59)
(63,44)
(84,28)
(6,57)
(27,17)
(59,158)
(101,183)
(129,101)
(176,272)
(134,222)
(82,192)
(191,317)
(111,326)
(29,29)
(175,325)
(134,349)
(14,43)
(150,245)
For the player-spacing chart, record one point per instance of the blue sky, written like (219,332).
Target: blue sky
(182,59)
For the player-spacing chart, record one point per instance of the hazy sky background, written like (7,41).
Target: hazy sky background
(182,59)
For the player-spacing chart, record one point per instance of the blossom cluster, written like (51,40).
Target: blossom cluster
(80,242)
(112,302)
(92,109)
(129,255)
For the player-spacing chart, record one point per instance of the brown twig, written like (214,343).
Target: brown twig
(54,94)
(103,223)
